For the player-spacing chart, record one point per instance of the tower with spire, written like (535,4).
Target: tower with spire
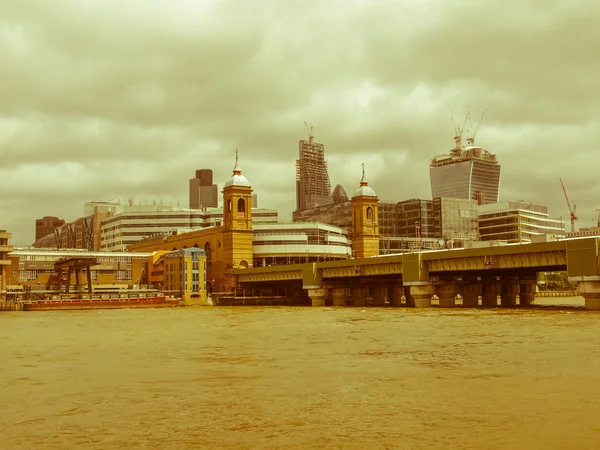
(237,223)
(365,227)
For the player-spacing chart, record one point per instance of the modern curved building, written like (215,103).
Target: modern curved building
(466,172)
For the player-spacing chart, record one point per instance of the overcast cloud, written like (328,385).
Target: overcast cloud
(106,99)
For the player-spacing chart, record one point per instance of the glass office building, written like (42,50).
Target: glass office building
(469,173)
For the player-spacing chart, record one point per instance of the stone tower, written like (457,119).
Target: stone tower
(365,228)
(237,224)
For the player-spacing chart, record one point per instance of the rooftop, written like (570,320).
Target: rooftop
(464,154)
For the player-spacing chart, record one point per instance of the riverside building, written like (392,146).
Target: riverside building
(5,263)
(517,222)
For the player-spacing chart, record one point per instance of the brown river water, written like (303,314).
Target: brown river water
(301,377)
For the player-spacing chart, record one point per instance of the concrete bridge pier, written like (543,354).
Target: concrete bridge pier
(421,292)
(396,293)
(380,295)
(317,296)
(590,290)
(446,292)
(509,291)
(339,296)
(360,294)
(526,292)
(491,289)
(410,300)
(470,293)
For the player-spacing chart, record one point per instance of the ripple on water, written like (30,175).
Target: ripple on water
(302,378)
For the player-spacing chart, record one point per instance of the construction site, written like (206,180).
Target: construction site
(313,187)
(466,171)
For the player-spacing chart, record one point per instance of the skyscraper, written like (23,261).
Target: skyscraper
(203,193)
(313,187)
(467,172)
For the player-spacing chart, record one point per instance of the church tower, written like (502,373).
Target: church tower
(237,223)
(365,228)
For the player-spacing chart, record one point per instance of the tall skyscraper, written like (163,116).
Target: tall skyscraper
(467,172)
(203,193)
(46,226)
(313,187)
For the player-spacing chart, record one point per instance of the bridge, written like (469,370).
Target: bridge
(413,278)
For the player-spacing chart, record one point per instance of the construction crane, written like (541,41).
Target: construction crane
(572,209)
(459,130)
(471,140)
(309,130)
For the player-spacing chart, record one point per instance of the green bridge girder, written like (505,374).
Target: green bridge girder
(579,257)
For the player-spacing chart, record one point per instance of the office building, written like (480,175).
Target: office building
(112,226)
(517,222)
(466,172)
(140,221)
(408,225)
(203,193)
(455,221)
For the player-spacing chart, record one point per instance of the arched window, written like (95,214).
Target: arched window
(241,206)
(243,264)
(369,213)
(208,251)
(229,205)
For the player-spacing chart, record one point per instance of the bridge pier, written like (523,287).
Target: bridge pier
(359,295)
(590,291)
(470,293)
(490,291)
(446,292)
(509,291)
(339,296)
(410,300)
(380,295)
(526,292)
(396,292)
(421,292)
(317,296)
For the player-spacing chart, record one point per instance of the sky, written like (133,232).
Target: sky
(126,99)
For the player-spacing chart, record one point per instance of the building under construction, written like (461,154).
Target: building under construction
(313,187)
(469,172)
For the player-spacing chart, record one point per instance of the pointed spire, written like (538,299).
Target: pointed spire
(236,169)
(363,180)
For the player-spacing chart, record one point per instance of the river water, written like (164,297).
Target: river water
(285,377)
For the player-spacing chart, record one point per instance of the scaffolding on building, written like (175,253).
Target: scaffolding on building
(313,187)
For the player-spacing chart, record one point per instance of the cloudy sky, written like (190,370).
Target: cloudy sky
(103,99)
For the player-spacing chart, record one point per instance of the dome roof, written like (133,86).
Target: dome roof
(364,189)
(237,179)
